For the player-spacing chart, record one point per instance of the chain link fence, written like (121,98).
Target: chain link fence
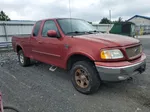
(10,28)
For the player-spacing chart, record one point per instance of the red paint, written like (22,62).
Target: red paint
(53,50)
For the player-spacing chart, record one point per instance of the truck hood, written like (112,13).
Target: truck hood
(110,40)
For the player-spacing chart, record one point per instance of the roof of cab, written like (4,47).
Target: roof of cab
(57,19)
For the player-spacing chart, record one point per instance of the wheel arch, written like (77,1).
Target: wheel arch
(73,58)
(18,48)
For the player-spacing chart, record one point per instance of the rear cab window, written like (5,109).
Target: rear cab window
(36,28)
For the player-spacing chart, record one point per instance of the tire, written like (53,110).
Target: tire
(24,61)
(87,83)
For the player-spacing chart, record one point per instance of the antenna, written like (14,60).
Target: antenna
(70,16)
(110,14)
(110,20)
(69,8)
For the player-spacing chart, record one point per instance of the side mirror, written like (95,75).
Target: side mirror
(52,33)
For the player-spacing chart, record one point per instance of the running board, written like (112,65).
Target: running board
(52,68)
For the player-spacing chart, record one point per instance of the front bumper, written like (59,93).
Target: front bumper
(118,73)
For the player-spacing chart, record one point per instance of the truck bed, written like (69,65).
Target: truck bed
(20,40)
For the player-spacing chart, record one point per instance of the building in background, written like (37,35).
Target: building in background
(142,24)
(104,28)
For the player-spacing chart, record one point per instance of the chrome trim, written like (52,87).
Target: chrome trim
(120,67)
(46,53)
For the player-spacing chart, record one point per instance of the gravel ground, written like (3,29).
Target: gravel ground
(36,89)
(7,57)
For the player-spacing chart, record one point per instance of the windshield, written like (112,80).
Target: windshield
(76,26)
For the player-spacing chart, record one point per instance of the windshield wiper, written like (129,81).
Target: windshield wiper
(75,32)
(94,31)
(83,32)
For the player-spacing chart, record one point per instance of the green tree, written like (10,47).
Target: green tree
(105,21)
(4,17)
(120,19)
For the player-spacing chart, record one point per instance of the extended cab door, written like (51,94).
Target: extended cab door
(49,49)
(34,40)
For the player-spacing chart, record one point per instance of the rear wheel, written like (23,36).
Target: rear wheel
(24,61)
(85,77)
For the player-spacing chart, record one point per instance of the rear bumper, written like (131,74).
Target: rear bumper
(118,73)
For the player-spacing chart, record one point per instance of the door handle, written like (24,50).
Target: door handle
(39,42)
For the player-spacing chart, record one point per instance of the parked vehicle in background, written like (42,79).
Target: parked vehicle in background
(124,28)
(90,56)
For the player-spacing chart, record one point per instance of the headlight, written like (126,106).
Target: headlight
(111,54)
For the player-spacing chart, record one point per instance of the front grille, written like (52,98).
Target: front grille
(133,51)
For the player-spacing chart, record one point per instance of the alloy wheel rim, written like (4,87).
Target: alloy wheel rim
(81,78)
(21,58)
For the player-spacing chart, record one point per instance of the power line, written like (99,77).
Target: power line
(70,8)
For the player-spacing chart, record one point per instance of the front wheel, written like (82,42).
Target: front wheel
(85,77)
(24,61)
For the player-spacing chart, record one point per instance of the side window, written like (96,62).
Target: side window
(36,28)
(49,25)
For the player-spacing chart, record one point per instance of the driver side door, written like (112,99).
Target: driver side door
(50,48)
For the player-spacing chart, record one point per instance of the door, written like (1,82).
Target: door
(34,41)
(49,49)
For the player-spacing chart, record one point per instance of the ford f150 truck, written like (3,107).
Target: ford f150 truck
(90,56)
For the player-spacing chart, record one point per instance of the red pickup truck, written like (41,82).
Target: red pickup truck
(90,56)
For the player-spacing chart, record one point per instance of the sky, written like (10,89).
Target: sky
(90,10)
